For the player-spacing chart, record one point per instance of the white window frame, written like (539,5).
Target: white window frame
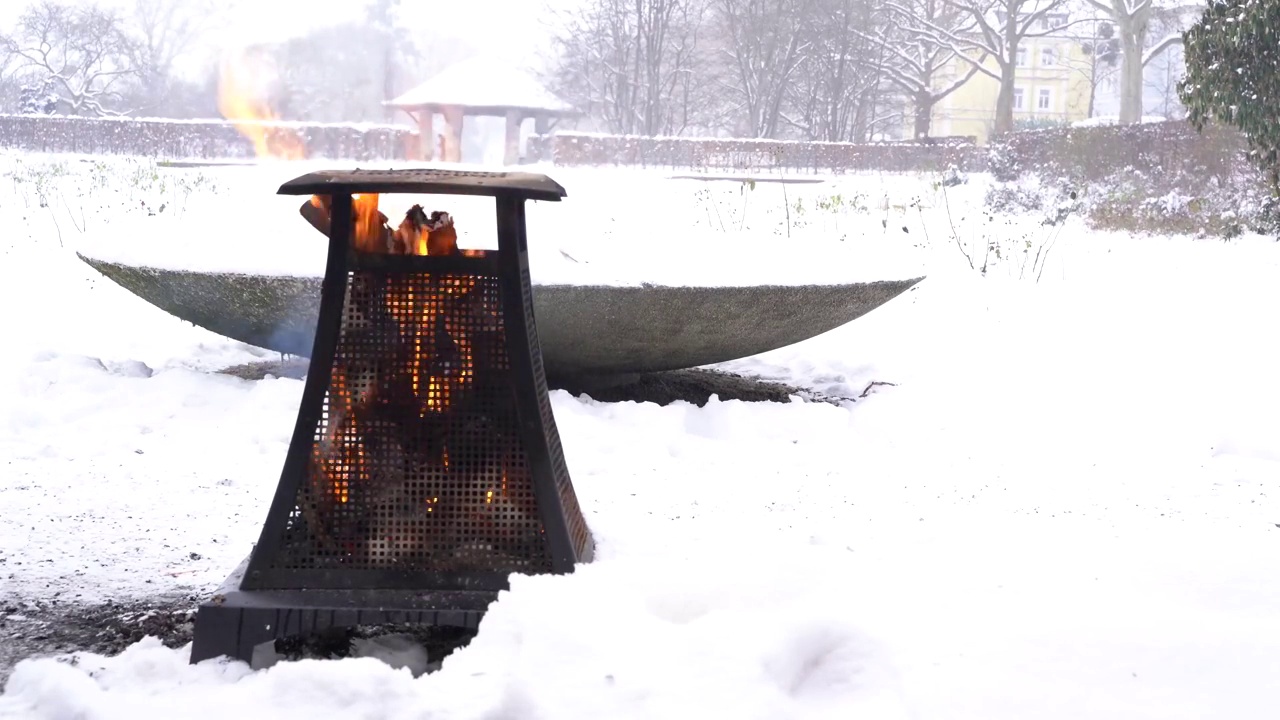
(1022,57)
(1019,99)
(1048,53)
(1044,99)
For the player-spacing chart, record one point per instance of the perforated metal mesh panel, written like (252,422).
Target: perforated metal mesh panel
(579,533)
(417,463)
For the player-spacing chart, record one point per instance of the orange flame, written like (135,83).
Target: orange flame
(435,382)
(368,235)
(246,107)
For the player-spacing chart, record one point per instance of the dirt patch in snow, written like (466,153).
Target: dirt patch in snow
(694,385)
(36,629)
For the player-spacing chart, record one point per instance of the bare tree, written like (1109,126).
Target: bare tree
(1099,56)
(9,84)
(837,90)
(1000,26)
(762,45)
(628,64)
(921,48)
(399,54)
(372,59)
(83,48)
(307,68)
(10,93)
(1166,69)
(162,31)
(1163,81)
(1133,20)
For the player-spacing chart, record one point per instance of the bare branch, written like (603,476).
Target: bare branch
(81,48)
(955,84)
(1164,44)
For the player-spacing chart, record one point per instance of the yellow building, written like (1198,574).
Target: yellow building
(1051,87)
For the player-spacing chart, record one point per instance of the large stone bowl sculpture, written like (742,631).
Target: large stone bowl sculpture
(599,333)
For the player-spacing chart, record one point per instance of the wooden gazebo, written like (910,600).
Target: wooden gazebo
(485,87)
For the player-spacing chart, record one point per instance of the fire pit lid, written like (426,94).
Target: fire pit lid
(532,186)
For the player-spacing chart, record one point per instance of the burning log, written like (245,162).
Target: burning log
(317,212)
(417,234)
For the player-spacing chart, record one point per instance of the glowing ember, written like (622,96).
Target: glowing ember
(434,323)
(338,458)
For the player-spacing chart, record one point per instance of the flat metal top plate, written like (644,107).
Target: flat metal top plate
(426,180)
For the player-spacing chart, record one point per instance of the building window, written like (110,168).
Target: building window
(1048,57)
(1021,58)
(1018,103)
(1044,99)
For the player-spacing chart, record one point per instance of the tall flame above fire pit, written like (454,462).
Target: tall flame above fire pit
(425,465)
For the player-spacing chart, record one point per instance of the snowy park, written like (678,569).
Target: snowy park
(1037,493)
(785,360)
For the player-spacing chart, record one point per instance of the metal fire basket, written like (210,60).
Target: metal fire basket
(425,466)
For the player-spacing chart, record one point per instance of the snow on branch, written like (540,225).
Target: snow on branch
(1165,43)
(960,42)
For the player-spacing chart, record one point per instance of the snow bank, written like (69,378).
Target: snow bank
(641,639)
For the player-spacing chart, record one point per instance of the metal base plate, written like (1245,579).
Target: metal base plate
(235,621)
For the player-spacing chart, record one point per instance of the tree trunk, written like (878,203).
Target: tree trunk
(861,123)
(1133,35)
(389,82)
(924,114)
(1008,74)
(1131,84)
(1004,100)
(1093,82)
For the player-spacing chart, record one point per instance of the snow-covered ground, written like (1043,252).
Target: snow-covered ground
(616,227)
(1062,507)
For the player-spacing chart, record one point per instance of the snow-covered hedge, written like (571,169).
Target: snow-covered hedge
(1155,177)
(692,153)
(192,139)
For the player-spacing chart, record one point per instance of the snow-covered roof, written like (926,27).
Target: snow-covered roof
(484,83)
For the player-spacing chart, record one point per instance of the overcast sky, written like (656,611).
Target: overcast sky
(508,27)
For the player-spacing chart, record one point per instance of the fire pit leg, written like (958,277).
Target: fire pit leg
(221,629)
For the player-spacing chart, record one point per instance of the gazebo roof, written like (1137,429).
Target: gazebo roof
(483,85)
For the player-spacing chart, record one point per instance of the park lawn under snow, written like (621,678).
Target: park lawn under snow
(1062,508)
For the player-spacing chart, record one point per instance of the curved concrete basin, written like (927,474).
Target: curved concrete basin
(585,330)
